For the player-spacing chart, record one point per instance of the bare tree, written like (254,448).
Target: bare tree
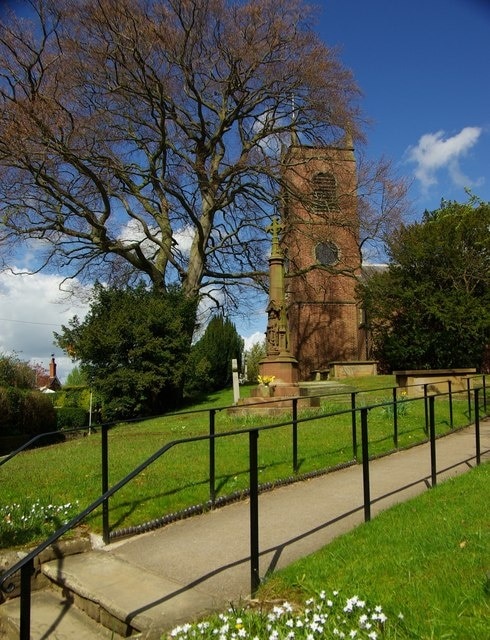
(146,139)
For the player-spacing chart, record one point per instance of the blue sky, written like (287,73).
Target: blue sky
(423,69)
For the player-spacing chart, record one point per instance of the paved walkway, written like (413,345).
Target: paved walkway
(190,567)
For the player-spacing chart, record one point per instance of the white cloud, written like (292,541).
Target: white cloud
(184,238)
(258,336)
(435,152)
(32,308)
(133,231)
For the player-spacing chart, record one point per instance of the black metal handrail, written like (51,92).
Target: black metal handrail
(26,564)
(38,438)
(212,412)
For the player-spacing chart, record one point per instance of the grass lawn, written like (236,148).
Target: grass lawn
(427,559)
(70,473)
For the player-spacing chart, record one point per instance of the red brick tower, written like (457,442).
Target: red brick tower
(321,245)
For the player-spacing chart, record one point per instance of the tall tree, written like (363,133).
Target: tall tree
(146,139)
(431,309)
(212,355)
(133,348)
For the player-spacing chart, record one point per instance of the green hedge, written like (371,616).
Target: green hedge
(24,411)
(71,417)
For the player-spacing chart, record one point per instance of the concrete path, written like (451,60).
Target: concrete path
(191,567)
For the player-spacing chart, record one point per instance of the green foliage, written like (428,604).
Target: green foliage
(431,309)
(253,356)
(76,378)
(133,346)
(15,373)
(210,363)
(75,397)
(71,417)
(25,412)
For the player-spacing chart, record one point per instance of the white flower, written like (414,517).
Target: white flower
(380,617)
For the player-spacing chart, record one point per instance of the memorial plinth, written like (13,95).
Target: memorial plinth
(279,365)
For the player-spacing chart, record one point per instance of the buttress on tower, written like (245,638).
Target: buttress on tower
(321,246)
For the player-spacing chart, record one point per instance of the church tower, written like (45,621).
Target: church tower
(321,246)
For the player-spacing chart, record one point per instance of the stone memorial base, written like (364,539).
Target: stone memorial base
(274,399)
(283,368)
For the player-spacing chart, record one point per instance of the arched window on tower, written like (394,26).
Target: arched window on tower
(325,193)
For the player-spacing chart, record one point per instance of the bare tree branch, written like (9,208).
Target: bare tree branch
(148,138)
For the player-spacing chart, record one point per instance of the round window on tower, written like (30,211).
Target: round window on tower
(327,253)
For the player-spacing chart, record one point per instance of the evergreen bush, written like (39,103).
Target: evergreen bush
(25,412)
(71,417)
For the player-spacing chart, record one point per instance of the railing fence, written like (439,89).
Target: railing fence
(26,565)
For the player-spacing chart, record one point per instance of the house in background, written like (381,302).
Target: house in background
(49,383)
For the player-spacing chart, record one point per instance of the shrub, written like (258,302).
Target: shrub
(39,415)
(25,412)
(71,417)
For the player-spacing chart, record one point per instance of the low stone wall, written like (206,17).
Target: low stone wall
(80,543)
(353,369)
(413,381)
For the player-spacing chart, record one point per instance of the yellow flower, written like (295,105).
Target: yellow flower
(266,380)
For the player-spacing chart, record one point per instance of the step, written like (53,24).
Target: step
(125,597)
(52,616)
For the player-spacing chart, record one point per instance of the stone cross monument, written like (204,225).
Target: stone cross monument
(278,362)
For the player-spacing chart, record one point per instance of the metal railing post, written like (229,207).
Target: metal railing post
(365,464)
(450,390)
(26,573)
(105,482)
(354,423)
(212,456)
(254,511)
(477,426)
(484,380)
(295,435)
(432,427)
(395,419)
(426,410)
(468,394)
